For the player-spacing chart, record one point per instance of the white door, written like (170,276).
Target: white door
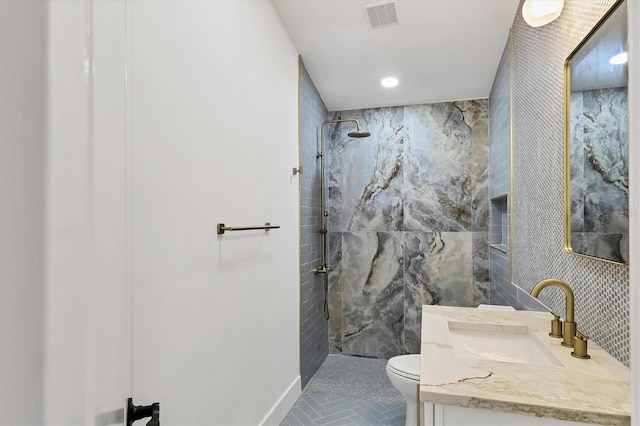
(213,90)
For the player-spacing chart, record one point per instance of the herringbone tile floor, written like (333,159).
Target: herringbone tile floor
(314,409)
(349,391)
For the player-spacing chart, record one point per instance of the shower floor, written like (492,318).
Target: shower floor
(349,390)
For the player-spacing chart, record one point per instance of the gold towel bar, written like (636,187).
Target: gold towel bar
(222,228)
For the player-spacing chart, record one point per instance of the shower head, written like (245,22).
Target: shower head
(359,134)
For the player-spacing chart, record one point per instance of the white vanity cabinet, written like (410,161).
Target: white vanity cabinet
(449,415)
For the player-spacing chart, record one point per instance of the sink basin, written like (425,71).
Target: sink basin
(515,344)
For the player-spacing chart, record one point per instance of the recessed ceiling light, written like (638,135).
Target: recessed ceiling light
(389,82)
(537,13)
(620,58)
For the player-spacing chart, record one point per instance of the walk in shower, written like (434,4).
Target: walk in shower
(324,268)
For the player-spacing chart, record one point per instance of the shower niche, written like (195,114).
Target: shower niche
(500,223)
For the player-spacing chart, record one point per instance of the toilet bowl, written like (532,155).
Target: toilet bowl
(404,373)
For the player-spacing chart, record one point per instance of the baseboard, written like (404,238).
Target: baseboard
(284,404)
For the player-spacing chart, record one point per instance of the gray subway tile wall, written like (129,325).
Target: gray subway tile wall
(314,345)
(500,128)
(501,292)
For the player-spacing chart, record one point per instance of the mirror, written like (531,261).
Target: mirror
(596,142)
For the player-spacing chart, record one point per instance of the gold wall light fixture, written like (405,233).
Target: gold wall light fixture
(541,12)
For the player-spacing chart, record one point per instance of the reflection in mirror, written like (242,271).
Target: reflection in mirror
(596,145)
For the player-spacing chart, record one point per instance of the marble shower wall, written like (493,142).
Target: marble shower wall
(408,221)
(599,173)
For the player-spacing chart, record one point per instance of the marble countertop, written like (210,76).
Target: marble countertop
(597,390)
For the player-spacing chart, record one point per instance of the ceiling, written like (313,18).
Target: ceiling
(440,50)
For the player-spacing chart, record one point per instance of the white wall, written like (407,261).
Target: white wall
(215,126)
(22,197)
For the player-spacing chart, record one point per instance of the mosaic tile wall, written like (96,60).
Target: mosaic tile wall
(500,178)
(500,128)
(408,221)
(314,346)
(601,288)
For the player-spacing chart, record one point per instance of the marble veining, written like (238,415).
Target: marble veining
(438,271)
(438,176)
(591,391)
(334,259)
(409,206)
(481,268)
(372,314)
(365,175)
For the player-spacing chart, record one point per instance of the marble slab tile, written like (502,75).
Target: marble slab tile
(476,113)
(334,260)
(481,268)
(365,175)
(438,177)
(438,271)
(373,296)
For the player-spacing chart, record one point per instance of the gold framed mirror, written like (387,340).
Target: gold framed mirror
(596,142)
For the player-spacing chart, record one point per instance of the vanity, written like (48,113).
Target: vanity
(488,367)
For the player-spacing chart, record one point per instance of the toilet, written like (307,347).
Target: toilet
(404,373)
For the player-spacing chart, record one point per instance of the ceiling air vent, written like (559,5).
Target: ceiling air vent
(380,14)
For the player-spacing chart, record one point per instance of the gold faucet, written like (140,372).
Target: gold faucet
(569,325)
(580,346)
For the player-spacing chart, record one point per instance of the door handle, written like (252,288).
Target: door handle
(137,412)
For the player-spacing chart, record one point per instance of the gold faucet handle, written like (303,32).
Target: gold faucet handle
(556,326)
(580,345)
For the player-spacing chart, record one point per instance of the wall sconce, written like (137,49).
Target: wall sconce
(541,12)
